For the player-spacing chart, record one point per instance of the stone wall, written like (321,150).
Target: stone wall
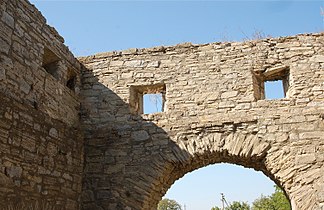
(214,112)
(41,145)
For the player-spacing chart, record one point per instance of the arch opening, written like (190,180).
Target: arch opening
(203,188)
(176,171)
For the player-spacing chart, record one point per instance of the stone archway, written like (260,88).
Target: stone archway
(239,148)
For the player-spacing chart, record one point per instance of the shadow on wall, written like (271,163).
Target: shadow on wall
(130,162)
(125,154)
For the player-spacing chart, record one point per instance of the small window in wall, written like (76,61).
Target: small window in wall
(50,62)
(147,99)
(152,103)
(273,83)
(274,89)
(71,79)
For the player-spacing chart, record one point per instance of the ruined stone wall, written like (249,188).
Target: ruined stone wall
(214,112)
(41,145)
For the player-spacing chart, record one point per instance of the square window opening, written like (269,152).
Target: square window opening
(274,89)
(152,103)
(273,83)
(147,99)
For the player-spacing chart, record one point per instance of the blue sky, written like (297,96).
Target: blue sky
(93,26)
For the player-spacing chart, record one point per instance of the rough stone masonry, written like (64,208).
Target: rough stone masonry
(73,134)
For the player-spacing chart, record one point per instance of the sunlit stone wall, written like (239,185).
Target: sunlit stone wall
(214,111)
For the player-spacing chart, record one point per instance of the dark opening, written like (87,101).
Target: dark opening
(71,83)
(51,62)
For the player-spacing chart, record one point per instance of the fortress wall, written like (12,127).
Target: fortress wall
(41,146)
(214,112)
(215,78)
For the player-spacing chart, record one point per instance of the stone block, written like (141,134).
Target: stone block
(226,104)
(229,94)
(154,64)
(135,63)
(8,19)
(4,46)
(141,135)
(53,133)
(305,159)
(14,171)
(24,87)
(2,74)
(317,58)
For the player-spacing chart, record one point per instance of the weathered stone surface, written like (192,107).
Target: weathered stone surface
(2,74)
(140,135)
(14,171)
(214,111)
(8,19)
(41,155)
(53,133)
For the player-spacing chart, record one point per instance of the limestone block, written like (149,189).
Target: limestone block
(130,51)
(127,75)
(229,94)
(14,171)
(2,74)
(141,135)
(5,181)
(135,63)
(4,46)
(154,64)
(8,19)
(317,58)
(53,133)
(305,159)
(25,87)
(116,63)
(312,135)
(226,104)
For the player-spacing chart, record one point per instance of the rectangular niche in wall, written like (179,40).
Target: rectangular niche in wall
(50,62)
(273,83)
(71,80)
(147,99)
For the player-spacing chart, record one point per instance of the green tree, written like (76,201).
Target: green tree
(168,204)
(276,201)
(239,206)
(235,206)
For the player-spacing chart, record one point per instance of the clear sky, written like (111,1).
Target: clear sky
(93,26)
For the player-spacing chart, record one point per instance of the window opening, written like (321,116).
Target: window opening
(152,103)
(147,99)
(71,83)
(274,89)
(51,62)
(71,79)
(273,83)
(205,187)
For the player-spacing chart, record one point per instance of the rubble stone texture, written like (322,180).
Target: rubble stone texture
(73,136)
